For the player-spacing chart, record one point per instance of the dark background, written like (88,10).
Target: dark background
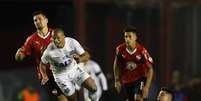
(169,29)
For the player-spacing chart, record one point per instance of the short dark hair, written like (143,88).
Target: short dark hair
(130,29)
(57,30)
(168,90)
(39,12)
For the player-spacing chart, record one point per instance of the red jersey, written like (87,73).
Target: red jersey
(132,65)
(36,44)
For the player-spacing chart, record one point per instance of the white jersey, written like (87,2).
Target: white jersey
(95,71)
(65,69)
(92,68)
(61,59)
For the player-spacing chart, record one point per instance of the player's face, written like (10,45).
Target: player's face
(40,21)
(59,39)
(163,96)
(130,38)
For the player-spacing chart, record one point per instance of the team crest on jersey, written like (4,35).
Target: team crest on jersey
(131,65)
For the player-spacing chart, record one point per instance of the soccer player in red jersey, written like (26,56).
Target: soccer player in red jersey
(133,70)
(35,44)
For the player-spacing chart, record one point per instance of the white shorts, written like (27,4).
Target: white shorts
(69,78)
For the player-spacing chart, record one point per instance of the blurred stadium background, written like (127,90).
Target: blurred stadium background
(169,29)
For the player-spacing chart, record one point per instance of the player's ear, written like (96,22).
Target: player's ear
(135,36)
(47,20)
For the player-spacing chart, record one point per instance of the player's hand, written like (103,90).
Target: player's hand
(145,92)
(44,80)
(19,54)
(117,86)
(76,57)
(39,76)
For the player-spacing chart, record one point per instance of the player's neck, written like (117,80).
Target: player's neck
(43,32)
(133,45)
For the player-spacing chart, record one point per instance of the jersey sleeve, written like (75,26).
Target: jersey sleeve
(44,58)
(78,48)
(27,47)
(147,57)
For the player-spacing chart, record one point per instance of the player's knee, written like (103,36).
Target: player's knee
(61,98)
(93,88)
(72,97)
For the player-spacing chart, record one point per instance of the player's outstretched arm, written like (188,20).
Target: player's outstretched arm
(82,58)
(19,55)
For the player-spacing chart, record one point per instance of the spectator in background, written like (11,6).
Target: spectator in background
(194,88)
(178,87)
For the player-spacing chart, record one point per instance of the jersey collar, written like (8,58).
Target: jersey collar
(43,37)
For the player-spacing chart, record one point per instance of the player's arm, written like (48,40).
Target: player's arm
(116,70)
(150,72)
(24,50)
(43,73)
(84,57)
(19,55)
(42,67)
(81,55)
(149,78)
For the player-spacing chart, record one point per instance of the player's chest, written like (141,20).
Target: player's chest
(60,55)
(40,45)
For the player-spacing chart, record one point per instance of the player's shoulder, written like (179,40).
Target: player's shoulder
(31,36)
(141,47)
(51,46)
(70,39)
(121,47)
(92,62)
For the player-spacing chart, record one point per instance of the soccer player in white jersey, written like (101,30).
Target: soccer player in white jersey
(60,55)
(97,75)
